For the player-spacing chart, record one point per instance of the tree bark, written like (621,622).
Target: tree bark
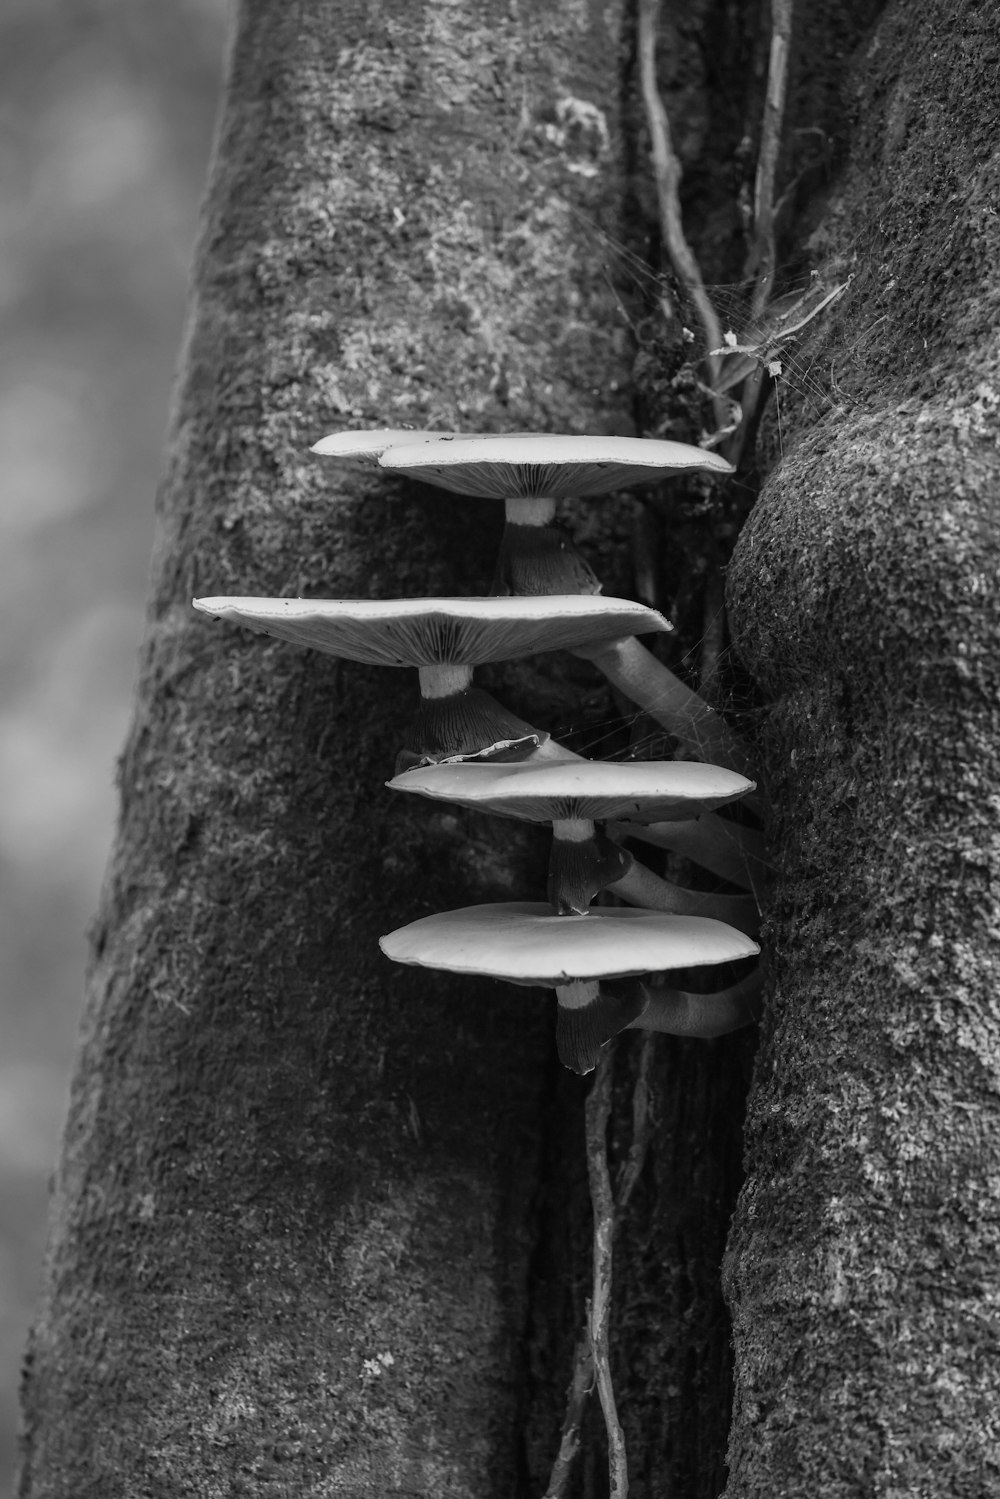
(862,1267)
(293,1218)
(320,1227)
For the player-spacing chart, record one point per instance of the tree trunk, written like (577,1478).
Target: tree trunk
(321,1225)
(293,1219)
(862,1267)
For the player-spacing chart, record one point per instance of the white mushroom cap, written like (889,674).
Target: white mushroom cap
(637,791)
(535,464)
(526,943)
(366,447)
(428,632)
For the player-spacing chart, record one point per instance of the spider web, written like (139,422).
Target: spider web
(775,341)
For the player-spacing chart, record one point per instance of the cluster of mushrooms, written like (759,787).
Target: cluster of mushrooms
(609,965)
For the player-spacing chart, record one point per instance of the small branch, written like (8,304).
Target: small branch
(667,174)
(580,1386)
(713,636)
(767,156)
(762,260)
(582,1380)
(642,1128)
(598,1110)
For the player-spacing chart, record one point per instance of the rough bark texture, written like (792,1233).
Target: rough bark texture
(862,1267)
(292,1221)
(321,1229)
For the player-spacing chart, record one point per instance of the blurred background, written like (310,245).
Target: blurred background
(106,116)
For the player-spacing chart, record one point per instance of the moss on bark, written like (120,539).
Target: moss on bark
(862,1266)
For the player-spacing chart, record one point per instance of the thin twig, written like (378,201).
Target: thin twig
(763,258)
(667,175)
(767,156)
(713,635)
(582,1379)
(580,1386)
(598,1110)
(641,1128)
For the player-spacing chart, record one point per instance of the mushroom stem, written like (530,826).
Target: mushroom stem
(637,673)
(572,829)
(639,886)
(582,861)
(538,559)
(531,510)
(588,1016)
(536,556)
(679,1012)
(443,679)
(728,849)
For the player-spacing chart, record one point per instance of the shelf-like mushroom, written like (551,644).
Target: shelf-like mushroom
(575,795)
(444,639)
(530,471)
(526,943)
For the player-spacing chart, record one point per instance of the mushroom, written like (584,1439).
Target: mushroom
(575,795)
(530,471)
(526,943)
(444,639)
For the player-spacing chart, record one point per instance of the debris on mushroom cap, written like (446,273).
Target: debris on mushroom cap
(525,942)
(367,446)
(427,632)
(467,725)
(529,464)
(635,790)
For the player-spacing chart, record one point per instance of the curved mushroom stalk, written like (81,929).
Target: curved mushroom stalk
(588,1016)
(641,887)
(680,1012)
(729,849)
(637,673)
